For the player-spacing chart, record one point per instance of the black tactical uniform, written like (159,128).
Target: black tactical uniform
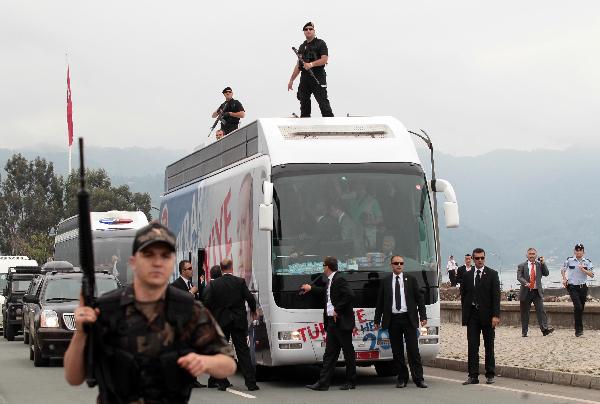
(311,51)
(228,122)
(137,346)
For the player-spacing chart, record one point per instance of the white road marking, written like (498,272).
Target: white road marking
(239,393)
(491,386)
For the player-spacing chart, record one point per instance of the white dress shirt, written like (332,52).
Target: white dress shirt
(403,308)
(330,309)
(187,282)
(475,274)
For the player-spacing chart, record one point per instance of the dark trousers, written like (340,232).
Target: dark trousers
(338,340)
(401,329)
(239,339)
(308,86)
(452,276)
(533,296)
(476,327)
(578,296)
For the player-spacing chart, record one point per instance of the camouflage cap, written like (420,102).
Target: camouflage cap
(151,234)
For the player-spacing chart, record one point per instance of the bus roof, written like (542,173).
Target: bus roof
(305,140)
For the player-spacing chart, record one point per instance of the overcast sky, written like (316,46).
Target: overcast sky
(477,75)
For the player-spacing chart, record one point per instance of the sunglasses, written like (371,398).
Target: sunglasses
(397,263)
(228,91)
(478,258)
(188,269)
(308,29)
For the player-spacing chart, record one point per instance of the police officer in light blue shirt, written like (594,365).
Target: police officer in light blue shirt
(575,272)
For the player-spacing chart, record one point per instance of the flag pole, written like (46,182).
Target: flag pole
(69,114)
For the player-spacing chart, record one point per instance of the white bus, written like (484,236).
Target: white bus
(112,238)
(279,194)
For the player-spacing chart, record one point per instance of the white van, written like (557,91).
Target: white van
(10,261)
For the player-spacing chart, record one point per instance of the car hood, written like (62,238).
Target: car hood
(60,307)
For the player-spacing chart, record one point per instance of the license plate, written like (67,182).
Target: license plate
(367,355)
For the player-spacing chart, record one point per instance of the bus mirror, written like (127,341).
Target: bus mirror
(450,205)
(265,216)
(268,193)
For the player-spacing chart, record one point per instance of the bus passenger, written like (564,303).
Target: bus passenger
(348,229)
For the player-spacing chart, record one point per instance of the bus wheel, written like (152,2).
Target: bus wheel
(263,373)
(386,369)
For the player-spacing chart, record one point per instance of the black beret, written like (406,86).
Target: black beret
(308,24)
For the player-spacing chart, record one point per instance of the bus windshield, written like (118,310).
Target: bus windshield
(111,254)
(360,213)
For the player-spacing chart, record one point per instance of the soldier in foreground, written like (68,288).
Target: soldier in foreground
(151,340)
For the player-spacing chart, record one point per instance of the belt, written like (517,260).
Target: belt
(577,286)
(400,314)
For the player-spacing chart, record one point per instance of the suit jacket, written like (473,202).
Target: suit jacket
(523,271)
(460,272)
(180,284)
(226,298)
(341,298)
(489,295)
(415,303)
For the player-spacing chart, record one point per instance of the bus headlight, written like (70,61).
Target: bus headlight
(429,331)
(49,319)
(289,336)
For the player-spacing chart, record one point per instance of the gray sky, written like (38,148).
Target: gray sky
(478,76)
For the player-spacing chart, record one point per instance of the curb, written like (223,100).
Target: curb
(513,372)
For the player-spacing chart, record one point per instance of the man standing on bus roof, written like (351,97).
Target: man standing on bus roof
(314,55)
(151,340)
(231,112)
(338,319)
(575,272)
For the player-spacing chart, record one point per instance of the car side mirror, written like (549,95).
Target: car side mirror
(450,205)
(31,298)
(265,209)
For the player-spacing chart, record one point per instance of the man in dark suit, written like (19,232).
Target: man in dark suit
(463,269)
(226,298)
(400,304)
(185,283)
(480,299)
(529,275)
(338,318)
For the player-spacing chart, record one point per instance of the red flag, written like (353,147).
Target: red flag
(69,109)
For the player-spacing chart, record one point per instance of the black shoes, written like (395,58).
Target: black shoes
(547,331)
(471,380)
(224,386)
(348,386)
(198,385)
(579,334)
(317,387)
(421,384)
(490,380)
(252,387)
(523,335)
(401,384)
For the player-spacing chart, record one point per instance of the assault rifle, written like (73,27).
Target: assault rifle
(86,263)
(312,74)
(222,108)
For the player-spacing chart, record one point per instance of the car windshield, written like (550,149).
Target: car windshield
(20,285)
(70,288)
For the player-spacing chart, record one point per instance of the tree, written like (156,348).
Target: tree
(103,196)
(31,203)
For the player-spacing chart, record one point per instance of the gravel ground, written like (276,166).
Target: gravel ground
(560,351)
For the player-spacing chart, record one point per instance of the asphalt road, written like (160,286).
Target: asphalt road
(20,383)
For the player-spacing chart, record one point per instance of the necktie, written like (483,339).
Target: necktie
(190,284)
(477,282)
(397,293)
(532,277)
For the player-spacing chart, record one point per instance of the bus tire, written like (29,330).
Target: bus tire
(386,369)
(263,373)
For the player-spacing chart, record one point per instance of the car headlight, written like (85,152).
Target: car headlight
(289,336)
(49,319)
(429,330)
